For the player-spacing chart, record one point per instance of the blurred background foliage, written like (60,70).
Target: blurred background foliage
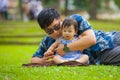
(20,38)
(117,3)
(90,9)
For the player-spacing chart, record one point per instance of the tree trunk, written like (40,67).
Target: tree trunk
(66,7)
(21,9)
(93,9)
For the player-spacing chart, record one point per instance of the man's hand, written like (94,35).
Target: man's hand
(42,60)
(59,49)
(48,53)
(48,58)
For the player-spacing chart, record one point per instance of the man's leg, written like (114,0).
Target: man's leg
(83,59)
(36,60)
(111,57)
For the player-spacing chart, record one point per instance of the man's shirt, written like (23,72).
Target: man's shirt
(104,39)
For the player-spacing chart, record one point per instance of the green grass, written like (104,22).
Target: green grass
(21,32)
(27,40)
(13,56)
(106,25)
(20,28)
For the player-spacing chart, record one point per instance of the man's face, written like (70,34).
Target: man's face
(54,29)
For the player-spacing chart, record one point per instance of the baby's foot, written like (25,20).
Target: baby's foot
(78,60)
(62,61)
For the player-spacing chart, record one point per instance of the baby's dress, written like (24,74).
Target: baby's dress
(72,55)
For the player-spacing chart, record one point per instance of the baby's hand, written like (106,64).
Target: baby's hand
(48,53)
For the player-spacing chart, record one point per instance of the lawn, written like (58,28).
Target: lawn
(12,56)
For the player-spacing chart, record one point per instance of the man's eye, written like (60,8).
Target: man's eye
(56,28)
(64,30)
(49,31)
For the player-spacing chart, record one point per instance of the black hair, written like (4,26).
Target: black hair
(70,21)
(46,17)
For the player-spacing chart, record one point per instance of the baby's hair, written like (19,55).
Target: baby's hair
(68,22)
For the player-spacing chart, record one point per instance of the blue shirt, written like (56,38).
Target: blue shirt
(104,39)
(72,55)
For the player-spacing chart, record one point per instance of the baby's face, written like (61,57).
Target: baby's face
(68,33)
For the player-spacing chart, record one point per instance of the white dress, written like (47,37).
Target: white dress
(72,55)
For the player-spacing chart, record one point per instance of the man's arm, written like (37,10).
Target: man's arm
(86,40)
(38,56)
(86,35)
(51,49)
(41,60)
(53,46)
(85,31)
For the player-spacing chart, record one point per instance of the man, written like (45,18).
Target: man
(102,47)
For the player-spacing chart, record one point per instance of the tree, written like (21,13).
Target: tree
(117,2)
(51,3)
(21,9)
(66,7)
(93,9)
(81,4)
(89,5)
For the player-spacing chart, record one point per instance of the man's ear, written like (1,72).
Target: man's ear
(61,18)
(76,31)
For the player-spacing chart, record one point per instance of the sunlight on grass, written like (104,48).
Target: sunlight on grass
(105,25)
(38,39)
(13,56)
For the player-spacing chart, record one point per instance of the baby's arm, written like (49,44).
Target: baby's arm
(51,49)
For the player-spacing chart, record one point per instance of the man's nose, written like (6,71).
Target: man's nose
(55,31)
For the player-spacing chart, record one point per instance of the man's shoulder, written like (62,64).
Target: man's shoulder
(47,41)
(48,38)
(77,17)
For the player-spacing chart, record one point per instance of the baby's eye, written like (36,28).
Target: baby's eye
(70,31)
(64,30)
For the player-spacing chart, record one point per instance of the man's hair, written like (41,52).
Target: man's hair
(68,22)
(46,17)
